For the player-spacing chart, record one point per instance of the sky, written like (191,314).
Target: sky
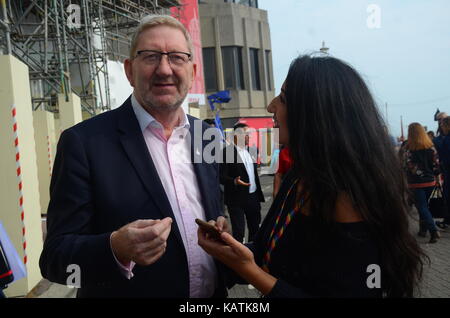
(400,47)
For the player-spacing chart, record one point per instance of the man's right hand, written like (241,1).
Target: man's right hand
(142,241)
(238,181)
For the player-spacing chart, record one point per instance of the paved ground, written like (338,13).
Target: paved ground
(436,281)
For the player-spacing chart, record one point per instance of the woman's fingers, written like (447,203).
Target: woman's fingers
(230,240)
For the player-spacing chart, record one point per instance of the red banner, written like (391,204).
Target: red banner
(187,14)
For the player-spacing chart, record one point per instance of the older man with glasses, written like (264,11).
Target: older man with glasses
(125,193)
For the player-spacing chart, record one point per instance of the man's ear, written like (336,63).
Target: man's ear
(194,73)
(128,66)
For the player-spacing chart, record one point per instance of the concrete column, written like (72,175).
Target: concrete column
(219,62)
(19,187)
(58,129)
(69,111)
(246,66)
(44,124)
(263,64)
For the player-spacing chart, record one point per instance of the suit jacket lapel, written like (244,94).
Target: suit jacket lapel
(136,149)
(202,171)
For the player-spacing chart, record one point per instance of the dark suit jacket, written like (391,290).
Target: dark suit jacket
(104,178)
(236,195)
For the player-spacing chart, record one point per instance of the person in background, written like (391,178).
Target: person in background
(440,134)
(243,194)
(341,210)
(421,163)
(438,116)
(210,122)
(444,159)
(431,134)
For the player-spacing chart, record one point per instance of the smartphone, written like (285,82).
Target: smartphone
(209,228)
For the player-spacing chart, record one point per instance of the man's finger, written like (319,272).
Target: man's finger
(230,240)
(151,258)
(152,252)
(157,242)
(144,223)
(151,232)
(221,223)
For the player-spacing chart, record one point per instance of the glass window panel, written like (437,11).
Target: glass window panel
(209,67)
(254,64)
(268,75)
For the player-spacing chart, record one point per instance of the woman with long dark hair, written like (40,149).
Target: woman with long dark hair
(339,225)
(420,161)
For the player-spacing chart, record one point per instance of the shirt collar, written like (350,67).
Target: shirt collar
(145,119)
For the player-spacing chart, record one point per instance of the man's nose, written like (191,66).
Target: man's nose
(164,67)
(271,107)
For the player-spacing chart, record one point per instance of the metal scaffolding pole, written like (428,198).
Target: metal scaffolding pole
(37,33)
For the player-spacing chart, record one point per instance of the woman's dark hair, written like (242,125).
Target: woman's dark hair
(339,145)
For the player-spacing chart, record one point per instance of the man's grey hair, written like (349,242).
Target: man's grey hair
(151,21)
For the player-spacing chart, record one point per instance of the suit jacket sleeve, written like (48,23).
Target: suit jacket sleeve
(70,218)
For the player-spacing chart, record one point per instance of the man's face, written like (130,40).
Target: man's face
(163,86)
(242,137)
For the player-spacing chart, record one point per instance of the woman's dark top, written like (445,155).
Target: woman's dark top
(421,167)
(309,265)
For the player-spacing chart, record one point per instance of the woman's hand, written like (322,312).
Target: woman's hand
(221,224)
(229,251)
(236,256)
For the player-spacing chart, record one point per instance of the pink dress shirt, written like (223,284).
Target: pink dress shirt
(172,161)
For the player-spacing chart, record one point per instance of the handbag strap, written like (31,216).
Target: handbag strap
(436,188)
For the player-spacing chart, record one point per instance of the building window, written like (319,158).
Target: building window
(254,64)
(209,67)
(248,3)
(268,75)
(232,67)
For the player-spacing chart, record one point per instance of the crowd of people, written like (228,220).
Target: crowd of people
(426,161)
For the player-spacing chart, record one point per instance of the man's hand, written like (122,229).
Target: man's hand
(238,181)
(142,241)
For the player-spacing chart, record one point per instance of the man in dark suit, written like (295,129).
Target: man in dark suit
(125,189)
(239,175)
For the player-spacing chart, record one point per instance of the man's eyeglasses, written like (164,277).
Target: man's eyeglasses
(151,57)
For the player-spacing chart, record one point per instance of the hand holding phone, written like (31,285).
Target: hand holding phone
(209,228)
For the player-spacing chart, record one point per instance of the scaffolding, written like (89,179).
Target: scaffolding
(66,44)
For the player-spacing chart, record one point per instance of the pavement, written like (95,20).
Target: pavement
(435,284)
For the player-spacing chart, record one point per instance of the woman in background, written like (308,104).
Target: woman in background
(339,224)
(420,161)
